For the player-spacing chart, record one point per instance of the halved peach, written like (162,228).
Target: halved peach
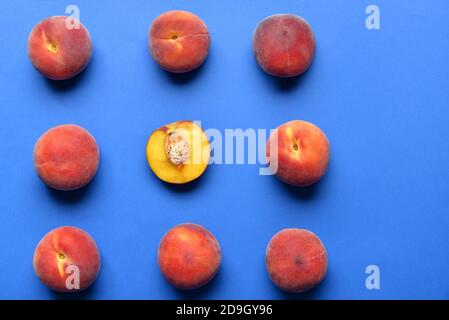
(178,152)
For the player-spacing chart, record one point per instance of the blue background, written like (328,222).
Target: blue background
(381,96)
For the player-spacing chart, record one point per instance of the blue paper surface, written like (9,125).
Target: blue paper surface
(381,96)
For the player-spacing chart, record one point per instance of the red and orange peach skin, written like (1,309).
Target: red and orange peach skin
(296,260)
(189,256)
(302,155)
(284,45)
(57,51)
(179,41)
(64,247)
(66,157)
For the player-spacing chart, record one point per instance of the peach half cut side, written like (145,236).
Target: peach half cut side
(178,152)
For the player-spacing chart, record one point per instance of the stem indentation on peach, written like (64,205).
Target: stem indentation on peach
(51,46)
(61,256)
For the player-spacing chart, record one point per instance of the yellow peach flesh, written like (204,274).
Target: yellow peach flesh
(185,168)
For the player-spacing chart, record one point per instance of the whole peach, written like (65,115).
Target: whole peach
(66,157)
(59,48)
(189,256)
(296,260)
(284,45)
(302,154)
(67,260)
(179,41)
